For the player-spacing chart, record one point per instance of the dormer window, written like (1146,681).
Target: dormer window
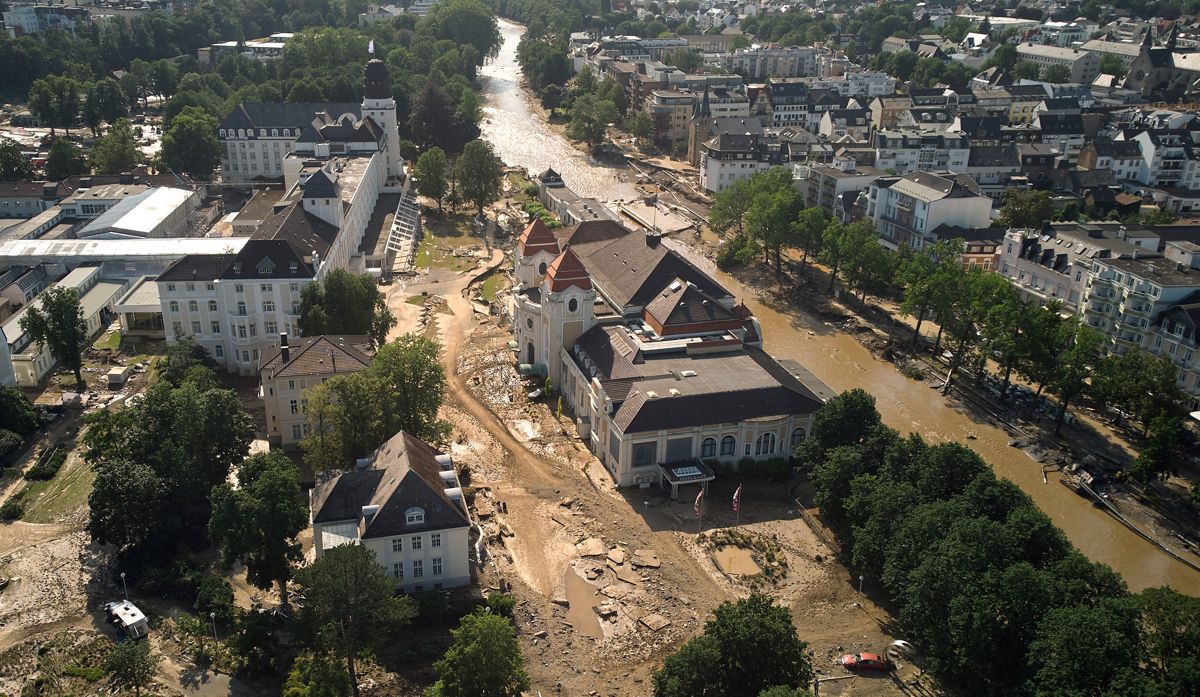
(414,516)
(266,266)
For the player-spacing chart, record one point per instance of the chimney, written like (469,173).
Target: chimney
(285,353)
(651,239)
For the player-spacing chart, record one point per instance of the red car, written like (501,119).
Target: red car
(865,661)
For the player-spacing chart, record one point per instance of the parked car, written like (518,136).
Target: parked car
(128,619)
(865,661)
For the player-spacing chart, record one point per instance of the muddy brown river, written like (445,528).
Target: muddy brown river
(522,138)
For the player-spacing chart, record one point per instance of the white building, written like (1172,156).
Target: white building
(28,362)
(22,20)
(662,368)
(1083,66)
(911,151)
(907,209)
(157,212)
(759,63)
(405,504)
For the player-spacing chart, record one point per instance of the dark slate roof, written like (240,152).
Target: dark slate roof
(318,355)
(1122,149)
(1031,91)
(1060,124)
(403,473)
(980,127)
(993,156)
(303,229)
(284,114)
(610,351)
(197,267)
(262,259)
(320,185)
(629,267)
(641,413)
(680,305)
(1060,103)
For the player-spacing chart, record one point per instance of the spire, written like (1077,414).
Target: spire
(703,111)
(566,271)
(1147,39)
(1172,36)
(537,238)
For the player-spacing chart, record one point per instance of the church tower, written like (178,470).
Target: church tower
(699,128)
(568,308)
(381,107)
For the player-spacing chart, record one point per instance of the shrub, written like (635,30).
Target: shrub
(47,466)
(501,604)
(12,509)
(737,251)
(215,595)
(91,674)
(10,444)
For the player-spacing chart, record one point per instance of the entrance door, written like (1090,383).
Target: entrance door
(529,353)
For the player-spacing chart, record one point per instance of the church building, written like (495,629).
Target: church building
(662,367)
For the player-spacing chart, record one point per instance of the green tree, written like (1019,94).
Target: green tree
(257,523)
(1043,342)
(104,102)
(775,205)
(1079,650)
(746,647)
(784,690)
(124,503)
(14,166)
(316,674)
(432,173)
(926,275)
(730,206)
(810,228)
(117,150)
(17,413)
(870,267)
(1025,209)
(1026,70)
(65,160)
(640,126)
(1056,74)
(350,416)
(347,304)
(1081,350)
(131,666)
(590,116)
(971,302)
(57,324)
(484,660)
(1154,458)
(1111,64)
(57,101)
(479,174)
(840,243)
(190,143)
(687,60)
(350,604)
(1142,385)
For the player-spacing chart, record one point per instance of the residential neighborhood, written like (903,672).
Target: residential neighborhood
(462,348)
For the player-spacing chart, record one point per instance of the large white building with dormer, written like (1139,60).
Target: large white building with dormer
(334,169)
(662,368)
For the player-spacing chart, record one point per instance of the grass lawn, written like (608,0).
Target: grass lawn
(442,237)
(492,285)
(63,494)
(109,340)
(417,299)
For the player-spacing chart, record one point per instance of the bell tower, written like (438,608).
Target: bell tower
(381,107)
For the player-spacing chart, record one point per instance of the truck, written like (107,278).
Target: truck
(128,619)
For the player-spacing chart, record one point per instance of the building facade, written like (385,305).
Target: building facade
(297,364)
(907,209)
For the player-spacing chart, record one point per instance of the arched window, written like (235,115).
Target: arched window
(193,306)
(542,269)
(572,305)
(414,515)
(708,447)
(728,445)
(174,306)
(797,436)
(765,444)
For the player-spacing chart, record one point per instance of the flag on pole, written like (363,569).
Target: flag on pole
(737,498)
(699,501)
(371,47)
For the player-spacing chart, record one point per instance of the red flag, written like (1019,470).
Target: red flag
(699,501)
(737,498)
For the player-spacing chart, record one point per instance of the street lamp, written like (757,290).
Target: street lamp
(860,582)
(125,587)
(213,616)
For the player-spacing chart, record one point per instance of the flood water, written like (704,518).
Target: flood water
(581,596)
(523,139)
(909,406)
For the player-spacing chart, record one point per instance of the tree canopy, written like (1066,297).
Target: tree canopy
(346,304)
(478,173)
(57,323)
(432,172)
(484,660)
(116,151)
(350,605)
(190,143)
(746,647)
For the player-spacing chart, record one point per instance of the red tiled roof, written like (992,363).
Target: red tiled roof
(566,271)
(537,238)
